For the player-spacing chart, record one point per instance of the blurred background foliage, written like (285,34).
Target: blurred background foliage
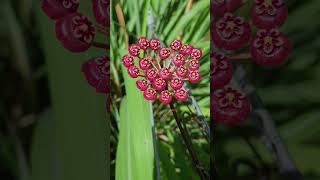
(291,94)
(53,125)
(189,21)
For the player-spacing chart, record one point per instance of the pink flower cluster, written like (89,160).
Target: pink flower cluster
(163,71)
(76,33)
(267,47)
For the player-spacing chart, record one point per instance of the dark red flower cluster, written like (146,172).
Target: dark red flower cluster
(267,47)
(163,71)
(76,33)
(74,30)
(96,72)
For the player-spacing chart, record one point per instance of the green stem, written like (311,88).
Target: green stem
(101,45)
(188,143)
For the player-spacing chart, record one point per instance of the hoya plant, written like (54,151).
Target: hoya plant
(251,34)
(267,47)
(160,100)
(161,73)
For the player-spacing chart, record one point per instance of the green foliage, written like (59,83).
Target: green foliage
(135,147)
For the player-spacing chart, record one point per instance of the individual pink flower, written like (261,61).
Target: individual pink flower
(194,76)
(165,97)
(133,71)
(176,83)
(186,49)
(267,14)
(178,60)
(143,43)
(181,95)
(159,84)
(144,64)
(182,72)
(230,32)
(269,47)
(164,53)
(151,74)
(229,106)
(154,44)
(221,70)
(165,73)
(75,31)
(127,60)
(150,94)
(222,6)
(134,50)
(176,45)
(142,84)
(193,65)
(96,72)
(56,9)
(196,53)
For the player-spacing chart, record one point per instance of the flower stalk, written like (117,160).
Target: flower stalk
(266,127)
(188,143)
(101,45)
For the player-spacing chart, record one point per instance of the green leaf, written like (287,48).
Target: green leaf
(80,123)
(200,6)
(134,158)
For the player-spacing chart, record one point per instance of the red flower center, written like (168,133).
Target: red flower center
(230,98)
(269,42)
(83,29)
(268,7)
(230,26)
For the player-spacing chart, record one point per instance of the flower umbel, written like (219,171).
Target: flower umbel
(235,38)
(163,71)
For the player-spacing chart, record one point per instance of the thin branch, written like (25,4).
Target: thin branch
(188,143)
(122,22)
(265,125)
(199,114)
(198,122)
(101,45)
(188,6)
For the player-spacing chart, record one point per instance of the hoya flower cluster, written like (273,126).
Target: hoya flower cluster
(76,33)
(160,71)
(266,46)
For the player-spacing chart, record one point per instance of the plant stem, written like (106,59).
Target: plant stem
(266,127)
(189,5)
(122,22)
(199,113)
(188,143)
(198,123)
(100,45)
